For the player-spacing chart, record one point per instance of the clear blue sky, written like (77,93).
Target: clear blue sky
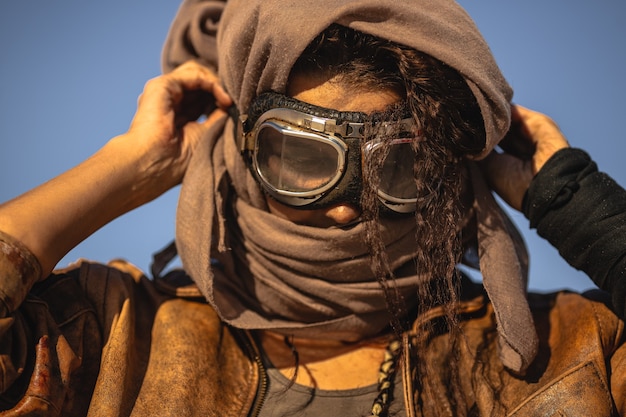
(71,71)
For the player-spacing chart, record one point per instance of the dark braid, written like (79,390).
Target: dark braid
(433,97)
(386,376)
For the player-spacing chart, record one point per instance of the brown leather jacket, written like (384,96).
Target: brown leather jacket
(105,341)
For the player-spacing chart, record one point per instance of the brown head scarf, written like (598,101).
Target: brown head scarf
(277,275)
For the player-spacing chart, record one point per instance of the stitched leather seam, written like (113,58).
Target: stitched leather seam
(562,377)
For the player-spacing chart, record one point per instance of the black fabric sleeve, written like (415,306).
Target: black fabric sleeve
(582,212)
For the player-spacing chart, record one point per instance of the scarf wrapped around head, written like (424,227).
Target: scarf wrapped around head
(277,275)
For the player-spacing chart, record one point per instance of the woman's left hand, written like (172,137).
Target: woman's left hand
(532,139)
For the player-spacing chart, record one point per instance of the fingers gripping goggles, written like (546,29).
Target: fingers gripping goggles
(311,157)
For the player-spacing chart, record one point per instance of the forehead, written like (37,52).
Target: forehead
(333,94)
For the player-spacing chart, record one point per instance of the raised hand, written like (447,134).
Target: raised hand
(166,119)
(532,139)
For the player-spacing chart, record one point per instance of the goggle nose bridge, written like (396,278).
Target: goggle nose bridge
(330,126)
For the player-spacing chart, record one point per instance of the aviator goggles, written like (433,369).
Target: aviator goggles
(306,160)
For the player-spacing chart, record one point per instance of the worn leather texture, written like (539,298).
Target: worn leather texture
(102,340)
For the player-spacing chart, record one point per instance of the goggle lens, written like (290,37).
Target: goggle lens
(296,162)
(397,182)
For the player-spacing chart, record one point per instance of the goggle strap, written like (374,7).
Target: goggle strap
(244,138)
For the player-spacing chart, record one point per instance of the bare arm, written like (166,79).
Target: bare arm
(128,171)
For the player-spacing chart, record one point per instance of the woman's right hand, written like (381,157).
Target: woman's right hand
(130,170)
(166,125)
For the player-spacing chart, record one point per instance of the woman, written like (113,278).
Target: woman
(320,269)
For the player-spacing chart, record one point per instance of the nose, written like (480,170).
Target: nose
(342,214)
(336,215)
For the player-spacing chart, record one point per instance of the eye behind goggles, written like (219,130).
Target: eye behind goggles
(310,161)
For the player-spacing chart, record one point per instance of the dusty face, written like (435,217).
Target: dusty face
(335,95)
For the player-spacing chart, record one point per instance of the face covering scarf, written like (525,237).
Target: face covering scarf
(282,276)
